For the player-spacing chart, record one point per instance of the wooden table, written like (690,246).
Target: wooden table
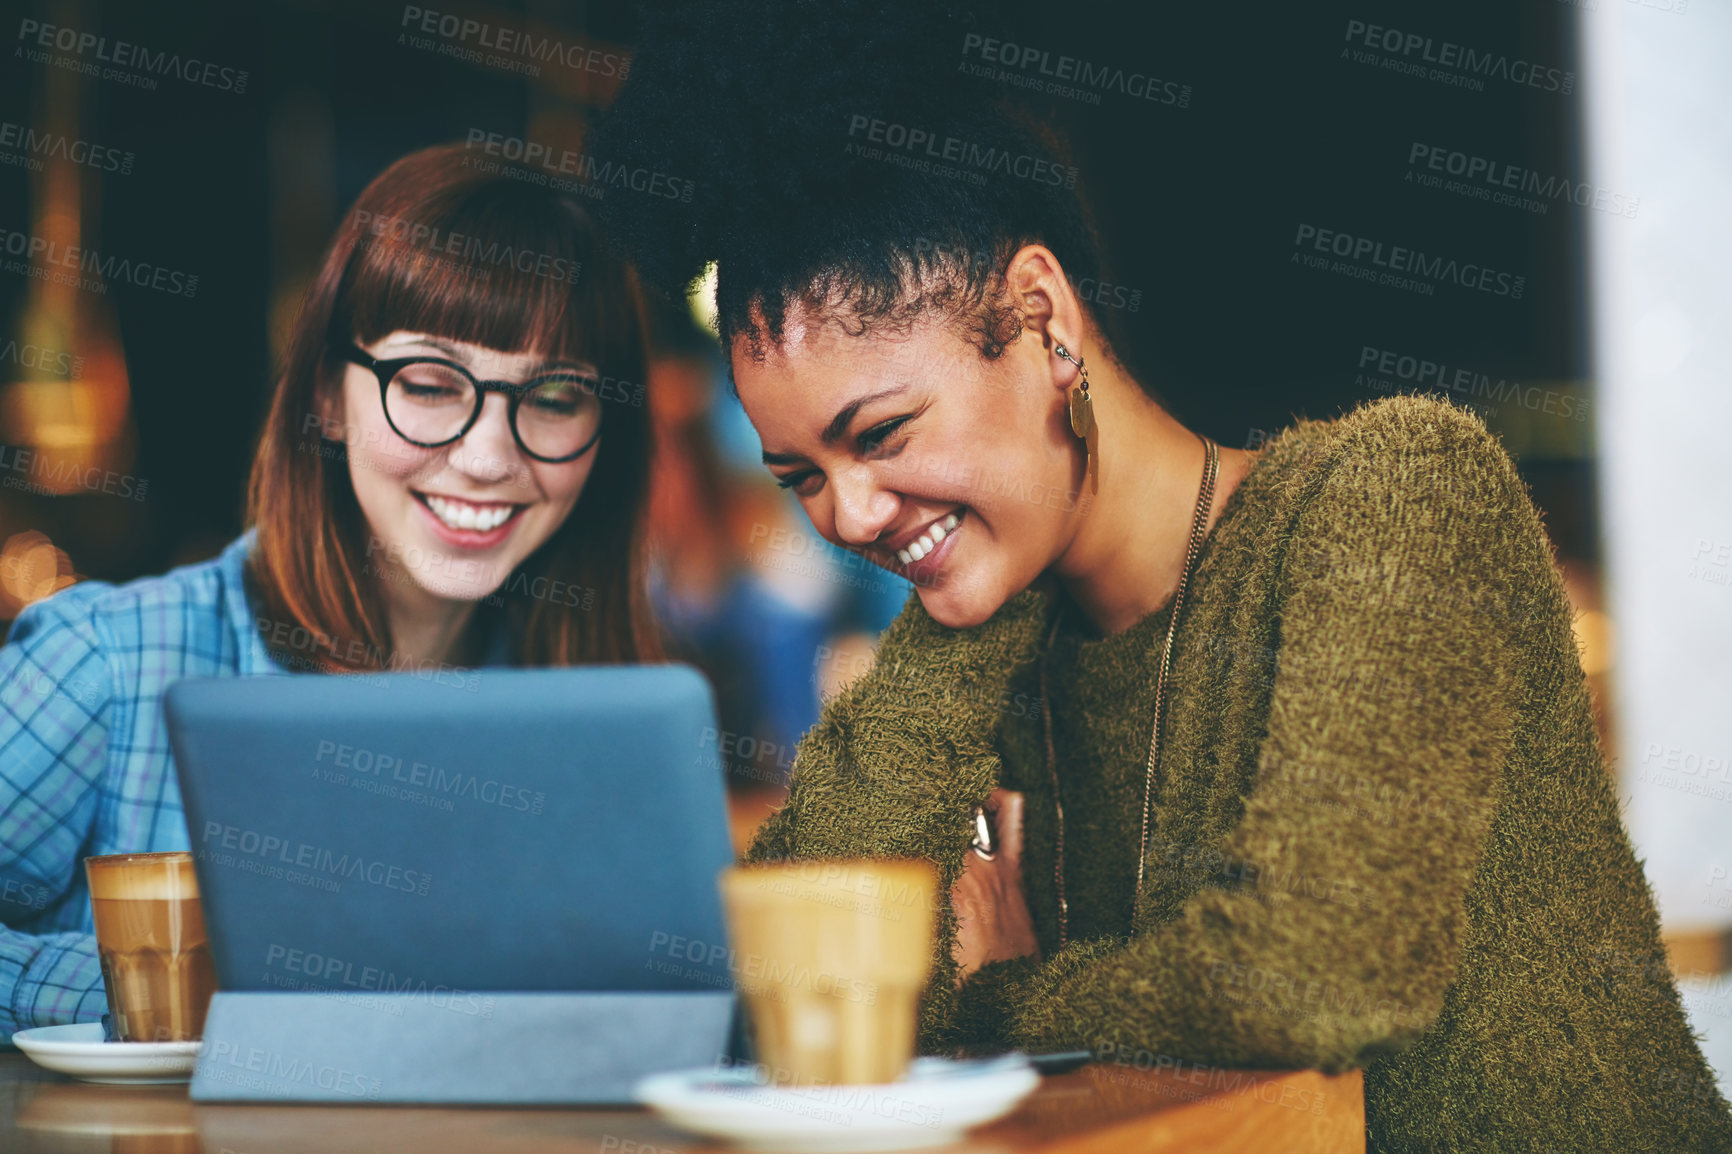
(1100,1109)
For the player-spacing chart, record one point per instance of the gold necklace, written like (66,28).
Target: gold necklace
(1205,497)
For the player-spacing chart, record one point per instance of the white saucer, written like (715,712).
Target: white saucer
(934,1103)
(80,1051)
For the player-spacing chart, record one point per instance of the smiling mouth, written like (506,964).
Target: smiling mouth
(469,516)
(929,540)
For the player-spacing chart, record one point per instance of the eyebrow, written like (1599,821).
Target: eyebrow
(837,426)
(456,354)
(449,350)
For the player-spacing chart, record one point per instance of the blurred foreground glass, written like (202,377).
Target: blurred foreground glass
(151,940)
(431,402)
(831,957)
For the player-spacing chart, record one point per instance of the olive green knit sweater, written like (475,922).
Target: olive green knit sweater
(1383,833)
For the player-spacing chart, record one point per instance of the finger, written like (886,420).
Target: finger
(968,950)
(966,897)
(1010,826)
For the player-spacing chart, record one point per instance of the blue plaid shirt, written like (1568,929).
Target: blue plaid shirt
(85,766)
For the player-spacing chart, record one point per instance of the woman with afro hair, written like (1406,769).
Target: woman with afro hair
(1289,753)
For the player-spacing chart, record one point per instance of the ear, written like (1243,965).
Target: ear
(1037,286)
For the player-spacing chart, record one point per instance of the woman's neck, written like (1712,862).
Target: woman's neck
(426,631)
(1126,558)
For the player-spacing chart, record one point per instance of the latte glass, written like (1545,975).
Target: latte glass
(831,957)
(150,938)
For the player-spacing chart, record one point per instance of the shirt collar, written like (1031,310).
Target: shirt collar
(254,659)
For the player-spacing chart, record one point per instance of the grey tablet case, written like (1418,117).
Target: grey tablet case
(486,886)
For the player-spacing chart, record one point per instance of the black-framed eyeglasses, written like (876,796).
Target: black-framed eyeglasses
(431,402)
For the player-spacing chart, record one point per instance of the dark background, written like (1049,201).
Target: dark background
(1198,208)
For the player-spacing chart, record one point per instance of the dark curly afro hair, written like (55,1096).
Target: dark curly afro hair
(842,163)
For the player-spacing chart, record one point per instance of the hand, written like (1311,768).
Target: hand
(992,918)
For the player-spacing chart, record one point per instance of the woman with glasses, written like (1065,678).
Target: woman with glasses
(451,474)
(1307,769)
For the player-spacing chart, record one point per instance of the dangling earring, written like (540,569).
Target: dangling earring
(1082,418)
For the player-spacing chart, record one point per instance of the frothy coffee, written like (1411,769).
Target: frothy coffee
(144,877)
(152,944)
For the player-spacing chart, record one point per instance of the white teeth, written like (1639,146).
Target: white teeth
(465,516)
(929,540)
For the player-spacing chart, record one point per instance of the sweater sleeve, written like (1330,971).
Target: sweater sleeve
(1336,925)
(898,760)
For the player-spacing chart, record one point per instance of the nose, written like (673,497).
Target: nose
(488,452)
(863,509)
